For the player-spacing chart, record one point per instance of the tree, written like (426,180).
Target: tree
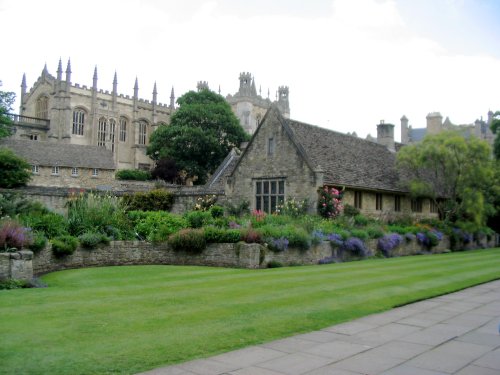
(166,169)
(495,128)
(6,101)
(456,173)
(201,133)
(14,171)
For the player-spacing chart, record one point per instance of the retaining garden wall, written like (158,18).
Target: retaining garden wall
(23,265)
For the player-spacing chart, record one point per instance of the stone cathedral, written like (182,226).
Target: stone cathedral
(57,110)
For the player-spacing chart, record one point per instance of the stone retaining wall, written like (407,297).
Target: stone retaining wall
(23,264)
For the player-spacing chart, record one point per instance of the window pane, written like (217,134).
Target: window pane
(259,187)
(258,203)
(273,203)
(273,187)
(281,187)
(266,187)
(266,203)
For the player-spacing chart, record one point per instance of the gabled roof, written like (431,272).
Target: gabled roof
(60,154)
(218,178)
(347,160)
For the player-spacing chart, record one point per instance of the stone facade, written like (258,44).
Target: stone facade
(67,177)
(91,116)
(17,265)
(287,159)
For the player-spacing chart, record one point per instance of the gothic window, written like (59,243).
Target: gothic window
(112,129)
(123,129)
(78,121)
(143,126)
(379,202)
(269,194)
(42,107)
(101,132)
(358,199)
(33,137)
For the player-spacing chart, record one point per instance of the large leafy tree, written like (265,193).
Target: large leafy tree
(6,101)
(201,133)
(14,171)
(457,173)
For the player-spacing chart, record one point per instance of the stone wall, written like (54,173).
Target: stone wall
(17,265)
(23,264)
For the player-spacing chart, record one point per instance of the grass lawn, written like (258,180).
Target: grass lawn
(131,319)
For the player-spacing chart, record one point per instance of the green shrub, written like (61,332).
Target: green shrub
(188,240)
(250,235)
(90,240)
(359,233)
(197,219)
(374,231)
(361,220)
(217,211)
(101,213)
(154,200)
(13,236)
(14,284)
(12,204)
(39,242)
(220,235)
(350,210)
(274,264)
(293,207)
(49,223)
(64,245)
(205,203)
(156,226)
(238,209)
(133,174)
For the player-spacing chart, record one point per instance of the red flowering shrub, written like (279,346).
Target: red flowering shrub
(330,202)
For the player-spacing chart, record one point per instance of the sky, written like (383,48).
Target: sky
(348,63)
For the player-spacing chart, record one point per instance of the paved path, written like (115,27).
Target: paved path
(452,334)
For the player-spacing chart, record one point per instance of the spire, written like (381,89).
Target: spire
(219,89)
(268,93)
(260,90)
(155,94)
(94,79)
(23,83)
(254,91)
(44,70)
(136,89)
(59,70)
(68,73)
(172,99)
(115,84)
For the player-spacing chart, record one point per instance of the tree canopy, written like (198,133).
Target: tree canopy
(201,133)
(6,101)
(456,173)
(14,171)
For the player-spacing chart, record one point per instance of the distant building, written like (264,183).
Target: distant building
(435,125)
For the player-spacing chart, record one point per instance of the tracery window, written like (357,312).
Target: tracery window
(123,129)
(101,132)
(78,121)
(42,107)
(143,126)
(112,129)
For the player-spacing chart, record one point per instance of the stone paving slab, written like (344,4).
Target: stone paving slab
(452,334)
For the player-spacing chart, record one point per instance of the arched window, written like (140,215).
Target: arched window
(112,129)
(143,131)
(123,129)
(101,132)
(78,121)
(42,107)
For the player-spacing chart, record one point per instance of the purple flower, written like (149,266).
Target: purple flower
(388,243)
(335,239)
(355,246)
(280,244)
(234,225)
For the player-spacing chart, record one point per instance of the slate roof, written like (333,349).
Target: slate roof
(416,135)
(346,160)
(218,178)
(59,154)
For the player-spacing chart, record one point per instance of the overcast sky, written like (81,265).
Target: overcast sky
(348,63)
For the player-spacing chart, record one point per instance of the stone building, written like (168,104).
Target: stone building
(288,159)
(435,125)
(67,165)
(251,107)
(56,110)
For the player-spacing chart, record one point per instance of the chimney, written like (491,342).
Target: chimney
(405,134)
(385,135)
(434,123)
